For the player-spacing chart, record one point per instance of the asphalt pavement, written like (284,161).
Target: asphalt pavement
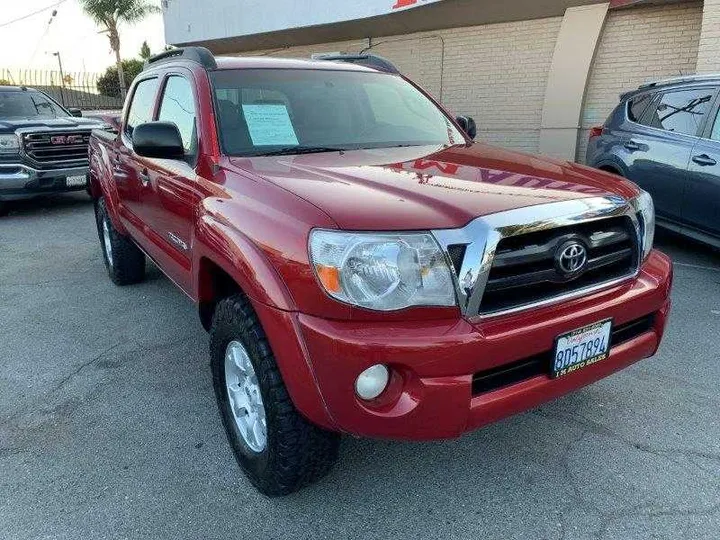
(109,429)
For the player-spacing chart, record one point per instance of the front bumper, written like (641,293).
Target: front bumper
(430,395)
(19,181)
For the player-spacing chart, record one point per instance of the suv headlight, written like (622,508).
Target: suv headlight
(645,209)
(9,144)
(382,271)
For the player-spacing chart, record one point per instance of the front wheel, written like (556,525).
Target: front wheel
(278,450)
(125,262)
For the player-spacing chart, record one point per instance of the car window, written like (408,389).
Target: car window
(178,106)
(682,111)
(28,104)
(262,111)
(637,106)
(390,107)
(141,107)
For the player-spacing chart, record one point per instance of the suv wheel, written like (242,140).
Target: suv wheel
(124,261)
(279,451)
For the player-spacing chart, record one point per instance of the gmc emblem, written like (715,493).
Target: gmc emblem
(66,139)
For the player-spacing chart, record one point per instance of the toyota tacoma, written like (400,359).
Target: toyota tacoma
(362,265)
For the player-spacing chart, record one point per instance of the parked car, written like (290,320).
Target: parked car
(361,265)
(665,137)
(43,146)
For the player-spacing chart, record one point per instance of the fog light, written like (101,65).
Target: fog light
(371,382)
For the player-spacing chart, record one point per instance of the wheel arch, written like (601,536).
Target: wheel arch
(226,262)
(611,169)
(612,165)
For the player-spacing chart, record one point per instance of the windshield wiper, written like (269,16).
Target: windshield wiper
(296,150)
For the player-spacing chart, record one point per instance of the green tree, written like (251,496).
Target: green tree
(145,51)
(109,82)
(108,14)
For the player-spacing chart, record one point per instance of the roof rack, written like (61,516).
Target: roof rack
(199,55)
(681,79)
(368,60)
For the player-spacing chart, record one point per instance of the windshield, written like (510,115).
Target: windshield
(28,104)
(276,111)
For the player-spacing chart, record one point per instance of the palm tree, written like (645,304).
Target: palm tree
(109,14)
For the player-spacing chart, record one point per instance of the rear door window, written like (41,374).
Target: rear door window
(681,111)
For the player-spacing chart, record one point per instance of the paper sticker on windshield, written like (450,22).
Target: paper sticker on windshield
(270,125)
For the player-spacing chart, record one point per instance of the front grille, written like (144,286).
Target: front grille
(525,269)
(539,364)
(69,148)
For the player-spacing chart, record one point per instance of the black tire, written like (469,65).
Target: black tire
(126,265)
(297,452)
(4,208)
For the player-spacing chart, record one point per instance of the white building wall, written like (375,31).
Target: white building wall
(709,54)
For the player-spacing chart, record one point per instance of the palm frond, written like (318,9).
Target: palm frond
(107,12)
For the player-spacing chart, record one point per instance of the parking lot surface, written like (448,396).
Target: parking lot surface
(109,429)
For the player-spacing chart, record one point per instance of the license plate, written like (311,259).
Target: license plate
(80,180)
(580,348)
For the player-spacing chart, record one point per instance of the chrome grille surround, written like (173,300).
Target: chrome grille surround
(482,235)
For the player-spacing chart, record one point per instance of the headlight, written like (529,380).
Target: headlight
(9,144)
(645,208)
(382,271)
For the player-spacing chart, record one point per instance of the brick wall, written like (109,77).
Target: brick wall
(709,53)
(639,45)
(496,73)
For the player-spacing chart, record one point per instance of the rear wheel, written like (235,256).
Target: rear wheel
(124,261)
(279,451)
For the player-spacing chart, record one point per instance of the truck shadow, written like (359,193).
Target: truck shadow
(50,204)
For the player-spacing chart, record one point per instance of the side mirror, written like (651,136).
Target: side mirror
(467,123)
(158,140)
(75,112)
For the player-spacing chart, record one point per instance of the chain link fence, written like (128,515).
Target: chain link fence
(72,90)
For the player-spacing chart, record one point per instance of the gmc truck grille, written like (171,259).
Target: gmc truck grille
(527,268)
(61,147)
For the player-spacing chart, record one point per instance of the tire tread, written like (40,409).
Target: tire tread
(302,453)
(128,260)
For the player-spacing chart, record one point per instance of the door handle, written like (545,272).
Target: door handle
(144,178)
(632,146)
(704,160)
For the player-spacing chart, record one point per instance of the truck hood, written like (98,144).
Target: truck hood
(429,187)
(9,125)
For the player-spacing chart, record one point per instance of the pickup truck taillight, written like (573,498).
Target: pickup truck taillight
(595,132)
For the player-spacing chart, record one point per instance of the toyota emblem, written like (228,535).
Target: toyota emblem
(571,258)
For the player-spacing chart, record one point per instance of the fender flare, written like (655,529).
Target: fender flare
(226,248)
(230,250)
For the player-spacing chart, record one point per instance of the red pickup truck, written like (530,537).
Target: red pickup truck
(362,265)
